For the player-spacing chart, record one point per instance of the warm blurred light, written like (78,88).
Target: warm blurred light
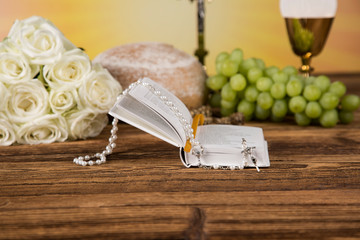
(256,26)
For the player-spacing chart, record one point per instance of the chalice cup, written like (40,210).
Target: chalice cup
(308,23)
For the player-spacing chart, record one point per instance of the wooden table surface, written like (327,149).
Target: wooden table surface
(311,190)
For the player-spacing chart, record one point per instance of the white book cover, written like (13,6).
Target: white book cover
(222,144)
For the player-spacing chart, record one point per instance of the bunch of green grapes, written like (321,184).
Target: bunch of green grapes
(260,92)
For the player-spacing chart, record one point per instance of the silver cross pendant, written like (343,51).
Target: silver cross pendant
(247,153)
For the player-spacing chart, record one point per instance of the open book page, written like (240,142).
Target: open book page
(223,144)
(145,96)
(133,112)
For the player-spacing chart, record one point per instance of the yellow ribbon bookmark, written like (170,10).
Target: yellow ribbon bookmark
(198,119)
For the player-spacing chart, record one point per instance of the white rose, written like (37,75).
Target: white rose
(46,129)
(7,134)
(85,123)
(100,90)
(4,95)
(71,69)
(14,66)
(27,101)
(39,39)
(63,99)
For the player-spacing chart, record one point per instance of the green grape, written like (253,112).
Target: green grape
(297,77)
(290,70)
(221,57)
(297,104)
(323,82)
(251,93)
(228,104)
(329,101)
(216,82)
(246,65)
(227,93)
(338,88)
(265,101)
(226,111)
(309,80)
(218,66)
(260,63)
(280,108)
(346,117)
(302,120)
(264,84)
(237,55)
(278,90)
(261,113)
(215,99)
(294,88)
(269,92)
(238,82)
(270,71)
(329,118)
(312,92)
(246,108)
(350,102)
(254,74)
(313,110)
(229,68)
(280,77)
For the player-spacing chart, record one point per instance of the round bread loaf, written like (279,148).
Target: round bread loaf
(177,71)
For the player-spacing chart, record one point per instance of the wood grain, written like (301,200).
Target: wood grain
(311,190)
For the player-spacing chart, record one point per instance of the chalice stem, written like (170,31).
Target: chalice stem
(305,68)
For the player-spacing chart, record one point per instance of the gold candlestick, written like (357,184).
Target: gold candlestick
(201,52)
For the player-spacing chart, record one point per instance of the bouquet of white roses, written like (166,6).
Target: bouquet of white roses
(49,89)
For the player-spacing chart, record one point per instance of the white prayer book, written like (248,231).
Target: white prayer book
(150,107)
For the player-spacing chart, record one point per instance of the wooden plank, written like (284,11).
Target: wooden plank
(311,190)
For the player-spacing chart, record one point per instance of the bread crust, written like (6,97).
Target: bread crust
(174,69)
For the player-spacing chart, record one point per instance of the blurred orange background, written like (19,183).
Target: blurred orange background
(256,26)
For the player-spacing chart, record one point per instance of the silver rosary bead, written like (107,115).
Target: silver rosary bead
(169,103)
(113,131)
(183,120)
(197,149)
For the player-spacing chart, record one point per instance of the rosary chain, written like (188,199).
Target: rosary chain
(197,149)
